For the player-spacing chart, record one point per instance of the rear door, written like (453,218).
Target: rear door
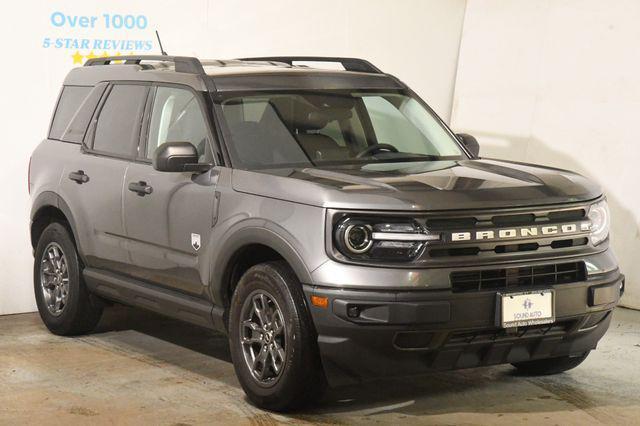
(169,228)
(93,180)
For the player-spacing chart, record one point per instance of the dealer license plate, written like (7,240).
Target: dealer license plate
(528,308)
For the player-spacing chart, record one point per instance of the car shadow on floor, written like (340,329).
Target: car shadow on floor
(191,337)
(498,389)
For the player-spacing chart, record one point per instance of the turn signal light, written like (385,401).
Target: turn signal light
(320,302)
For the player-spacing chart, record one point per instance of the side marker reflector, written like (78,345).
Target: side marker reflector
(320,302)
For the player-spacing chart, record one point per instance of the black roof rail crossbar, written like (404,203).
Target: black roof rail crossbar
(184,64)
(349,64)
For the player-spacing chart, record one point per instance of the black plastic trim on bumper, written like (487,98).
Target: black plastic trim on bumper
(365,334)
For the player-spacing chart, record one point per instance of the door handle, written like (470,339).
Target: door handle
(141,188)
(79,177)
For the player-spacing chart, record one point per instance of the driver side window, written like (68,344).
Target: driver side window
(176,117)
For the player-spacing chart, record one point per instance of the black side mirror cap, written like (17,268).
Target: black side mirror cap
(471,143)
(178,157)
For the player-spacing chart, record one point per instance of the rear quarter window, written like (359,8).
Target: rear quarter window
(118,127)
(78,126)
(69,103)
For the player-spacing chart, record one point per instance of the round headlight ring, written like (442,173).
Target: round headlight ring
(358,238)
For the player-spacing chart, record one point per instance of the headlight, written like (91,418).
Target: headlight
(600,221)
(382,239)
(357,238)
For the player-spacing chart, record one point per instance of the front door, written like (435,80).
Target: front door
(169,225)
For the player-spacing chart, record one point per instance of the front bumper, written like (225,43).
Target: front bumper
(375,333)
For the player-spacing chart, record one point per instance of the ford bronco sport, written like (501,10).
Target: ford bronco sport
(325,219)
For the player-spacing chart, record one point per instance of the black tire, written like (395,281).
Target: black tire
(301,379)
(81,311)
(545,367)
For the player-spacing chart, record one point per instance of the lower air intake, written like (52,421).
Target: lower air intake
(528,276)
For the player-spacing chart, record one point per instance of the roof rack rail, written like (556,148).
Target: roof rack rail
(349,64)
(184,64)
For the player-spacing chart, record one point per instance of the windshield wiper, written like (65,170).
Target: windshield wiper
(404,156)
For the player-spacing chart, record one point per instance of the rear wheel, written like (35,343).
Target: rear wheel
(64,303)
(544,367)
(273,343)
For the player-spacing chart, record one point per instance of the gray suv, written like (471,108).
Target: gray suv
(326,220)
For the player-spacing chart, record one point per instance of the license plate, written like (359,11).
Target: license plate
(528,308)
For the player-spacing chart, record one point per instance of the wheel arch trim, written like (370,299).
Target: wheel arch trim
(248,235)
(51,199)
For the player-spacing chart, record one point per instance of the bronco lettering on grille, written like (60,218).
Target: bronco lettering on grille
(524,232)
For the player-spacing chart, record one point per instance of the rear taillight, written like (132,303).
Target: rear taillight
(29,177)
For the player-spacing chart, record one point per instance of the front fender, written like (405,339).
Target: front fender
(255,231)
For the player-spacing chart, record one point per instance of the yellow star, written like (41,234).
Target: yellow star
(91,55)
(104,54)
(77,58)
(118,54)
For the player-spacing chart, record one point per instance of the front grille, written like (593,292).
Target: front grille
(478,249)
(521,277)
(507,248)
(501,220)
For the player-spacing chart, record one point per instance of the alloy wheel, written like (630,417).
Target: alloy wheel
(263,337)
(54,278)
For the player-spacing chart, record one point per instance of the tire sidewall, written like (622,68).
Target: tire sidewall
(59,234)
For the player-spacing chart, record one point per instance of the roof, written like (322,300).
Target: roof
(267,73)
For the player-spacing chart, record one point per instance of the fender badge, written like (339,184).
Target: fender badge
(195,241)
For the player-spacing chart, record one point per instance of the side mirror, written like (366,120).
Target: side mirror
(178,157)
(470,143)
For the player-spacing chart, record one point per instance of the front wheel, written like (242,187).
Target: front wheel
(545,367)
(272,339)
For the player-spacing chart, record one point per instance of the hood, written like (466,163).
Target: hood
(420,186)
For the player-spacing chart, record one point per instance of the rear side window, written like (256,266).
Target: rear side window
(70,100)
(118,127)
(77,128)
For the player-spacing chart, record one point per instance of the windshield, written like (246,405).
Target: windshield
(322,128)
